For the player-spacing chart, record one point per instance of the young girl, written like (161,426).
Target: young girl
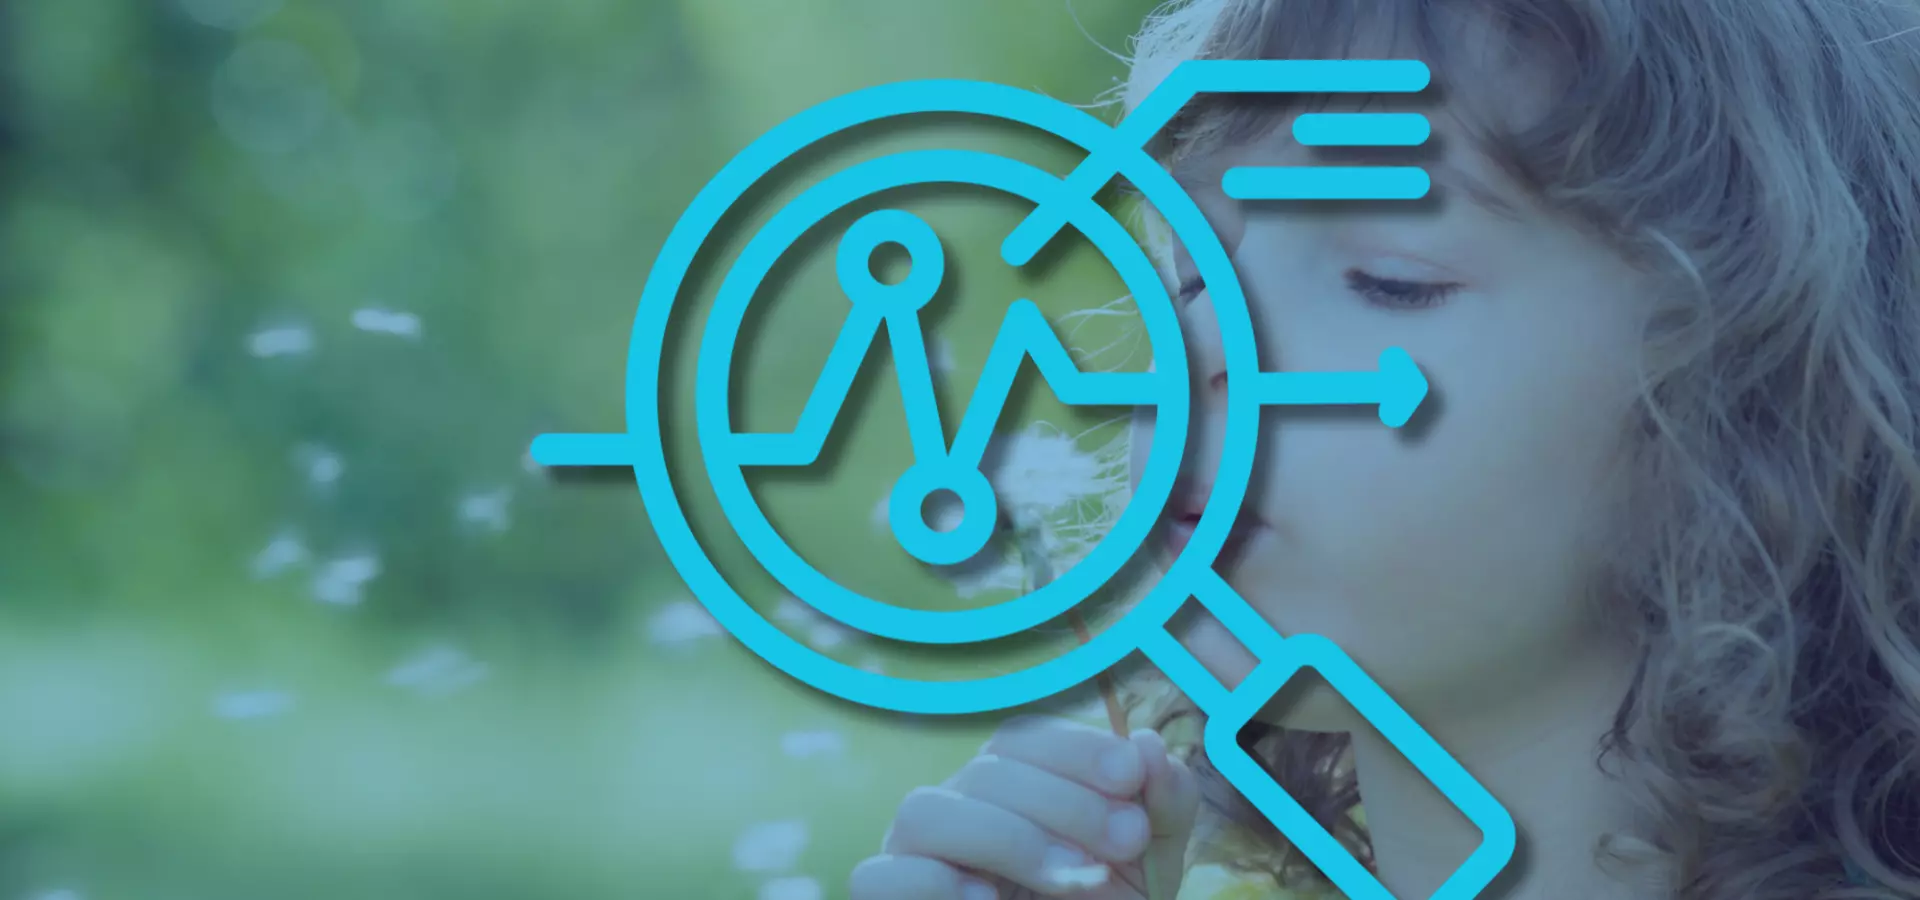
(1646,565)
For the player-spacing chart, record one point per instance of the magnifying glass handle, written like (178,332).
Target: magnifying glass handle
(1280,658)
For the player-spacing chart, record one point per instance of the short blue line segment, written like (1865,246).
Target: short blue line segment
(1326,183)
(1358,129)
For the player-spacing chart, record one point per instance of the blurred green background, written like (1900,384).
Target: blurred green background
(286,287)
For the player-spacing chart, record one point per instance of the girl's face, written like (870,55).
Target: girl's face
(1450,558)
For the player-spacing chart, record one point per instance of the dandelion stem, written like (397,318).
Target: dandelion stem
(1038,572)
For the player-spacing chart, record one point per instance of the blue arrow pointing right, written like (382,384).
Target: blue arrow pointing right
(1397,387)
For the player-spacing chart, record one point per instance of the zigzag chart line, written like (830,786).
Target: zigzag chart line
(1024,334)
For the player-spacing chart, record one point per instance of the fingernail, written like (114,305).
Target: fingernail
(1150,741)
(975,889)
(1067,867)
(1127,827)
(1120,765)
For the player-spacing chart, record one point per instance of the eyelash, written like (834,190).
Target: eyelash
(1389,292)
(1396,293)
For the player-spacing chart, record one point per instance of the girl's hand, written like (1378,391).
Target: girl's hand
(1050,808)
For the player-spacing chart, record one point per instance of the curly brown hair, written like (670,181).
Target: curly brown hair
(1764,157)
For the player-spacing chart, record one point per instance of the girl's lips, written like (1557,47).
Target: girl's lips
(1183,518)
(1180,532)
(1180,528)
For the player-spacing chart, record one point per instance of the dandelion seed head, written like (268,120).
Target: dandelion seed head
(770,846)
(251,704)
(320,465)
(1043,469)
(386,321)
(282,340)
(809,744)
(682,622)
(438,671)
(342,581)
(792,887)
(487,510)
(283,552)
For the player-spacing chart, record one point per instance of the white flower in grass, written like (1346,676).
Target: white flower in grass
(252,704)
(940,356)
(342,581)
(793,887)
(438,671)
(281,340)
(682,622)
(819,631)
(321,466)
(487,511)
(770,846)
(387,321)
(285,551)
(809,744)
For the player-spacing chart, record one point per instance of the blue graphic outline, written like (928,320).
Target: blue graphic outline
(1397,388)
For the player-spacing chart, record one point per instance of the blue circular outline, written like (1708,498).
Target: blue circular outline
(715,366)
(647,346)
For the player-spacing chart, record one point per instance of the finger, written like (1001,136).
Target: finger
(949,826)
(1114,830)
(915,878)
(1172,798)
(1082,753)
(1171,792)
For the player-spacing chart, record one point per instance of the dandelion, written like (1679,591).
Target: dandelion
(386,321)
(809,744)
(437,671)
(283,340)
(486,511)
(682,622)
(940,356)
(321,466)
(341,582)
(795,887)
(770,846)
(285,551)
(255,704)
(1043,469)
(821,632)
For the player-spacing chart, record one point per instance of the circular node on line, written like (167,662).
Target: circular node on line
(926,262)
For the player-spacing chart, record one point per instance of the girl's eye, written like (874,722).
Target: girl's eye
(1191,288)
(1395,293)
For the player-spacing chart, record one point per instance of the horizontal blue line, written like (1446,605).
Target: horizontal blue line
(1326,183)
(554,450)
(1362,129)
(1315,76)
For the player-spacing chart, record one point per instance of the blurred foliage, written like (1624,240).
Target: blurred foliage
(288,286)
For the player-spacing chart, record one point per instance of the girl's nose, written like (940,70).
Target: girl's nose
(1206,359)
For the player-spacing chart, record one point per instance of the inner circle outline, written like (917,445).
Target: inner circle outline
(712,393)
